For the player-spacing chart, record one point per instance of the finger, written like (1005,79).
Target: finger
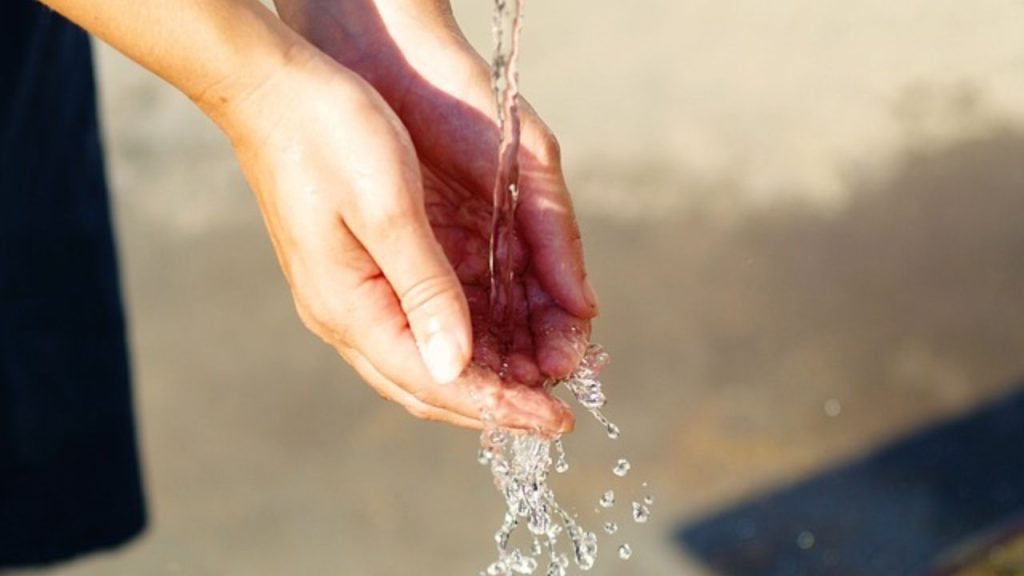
(522,366)
(342,296)
(548,222)
(388,346)
(560,337)
(392,225)
(391,391)
(479,390)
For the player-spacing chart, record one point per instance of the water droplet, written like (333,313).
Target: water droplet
(805,540)
(585,545)
(613,431)
(557,566)
(561,463)
(497,569)
(590,395)
(598,358)
(611,527)
(485,456)
(498,437)
(621,467)
(536,549)
(523,565)
(833,407)
(649,500)
(607,499)
(625,552)
(640,513)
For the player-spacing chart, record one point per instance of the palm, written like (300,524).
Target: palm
(545,340)
(461,219)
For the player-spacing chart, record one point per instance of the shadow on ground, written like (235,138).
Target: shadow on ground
(893,512)
(907,297)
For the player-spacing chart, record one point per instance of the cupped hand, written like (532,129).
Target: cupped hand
(346,202)
(413,53)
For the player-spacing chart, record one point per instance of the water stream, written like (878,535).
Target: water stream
(508,23)
(521,463)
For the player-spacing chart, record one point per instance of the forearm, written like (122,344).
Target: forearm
(388,41)
(215,51)
(362,27)
(355,15)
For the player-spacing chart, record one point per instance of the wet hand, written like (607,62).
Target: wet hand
(346,202)
(413,53)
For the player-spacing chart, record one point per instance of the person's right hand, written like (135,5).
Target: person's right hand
(340,188)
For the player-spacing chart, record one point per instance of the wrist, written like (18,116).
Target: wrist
(247,71)
(354,31)
(298,92)
(250,102)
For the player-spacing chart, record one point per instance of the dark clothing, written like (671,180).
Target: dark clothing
(69,474)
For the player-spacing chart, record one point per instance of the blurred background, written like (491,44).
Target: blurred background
(806,223)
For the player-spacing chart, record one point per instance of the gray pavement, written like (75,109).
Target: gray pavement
(804,221)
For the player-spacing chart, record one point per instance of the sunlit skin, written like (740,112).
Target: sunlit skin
(416,57)
(373,168)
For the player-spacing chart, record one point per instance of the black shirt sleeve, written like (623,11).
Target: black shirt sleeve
(69,471)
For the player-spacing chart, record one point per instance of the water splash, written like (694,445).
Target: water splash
(621,468)
(641,513)
(586,387)
(520,464)
(561,463)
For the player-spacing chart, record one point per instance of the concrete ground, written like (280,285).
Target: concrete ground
(804,221)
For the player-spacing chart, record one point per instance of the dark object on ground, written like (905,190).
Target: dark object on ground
(1000,553)
(893,512)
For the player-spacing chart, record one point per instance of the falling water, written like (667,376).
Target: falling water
(521,463)
(508,22)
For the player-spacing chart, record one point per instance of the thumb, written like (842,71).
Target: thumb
(399,238)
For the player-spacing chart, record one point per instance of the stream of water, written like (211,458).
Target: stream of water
(521,463)
(508,23)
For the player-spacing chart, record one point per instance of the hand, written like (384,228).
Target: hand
(342,194)
(341,191)
(413,53)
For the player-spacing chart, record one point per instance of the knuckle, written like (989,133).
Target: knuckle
(320,317)
(421,411)
(549,150)
(424,293)
(391,215)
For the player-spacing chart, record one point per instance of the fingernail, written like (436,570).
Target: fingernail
(589,294)
(443,357)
